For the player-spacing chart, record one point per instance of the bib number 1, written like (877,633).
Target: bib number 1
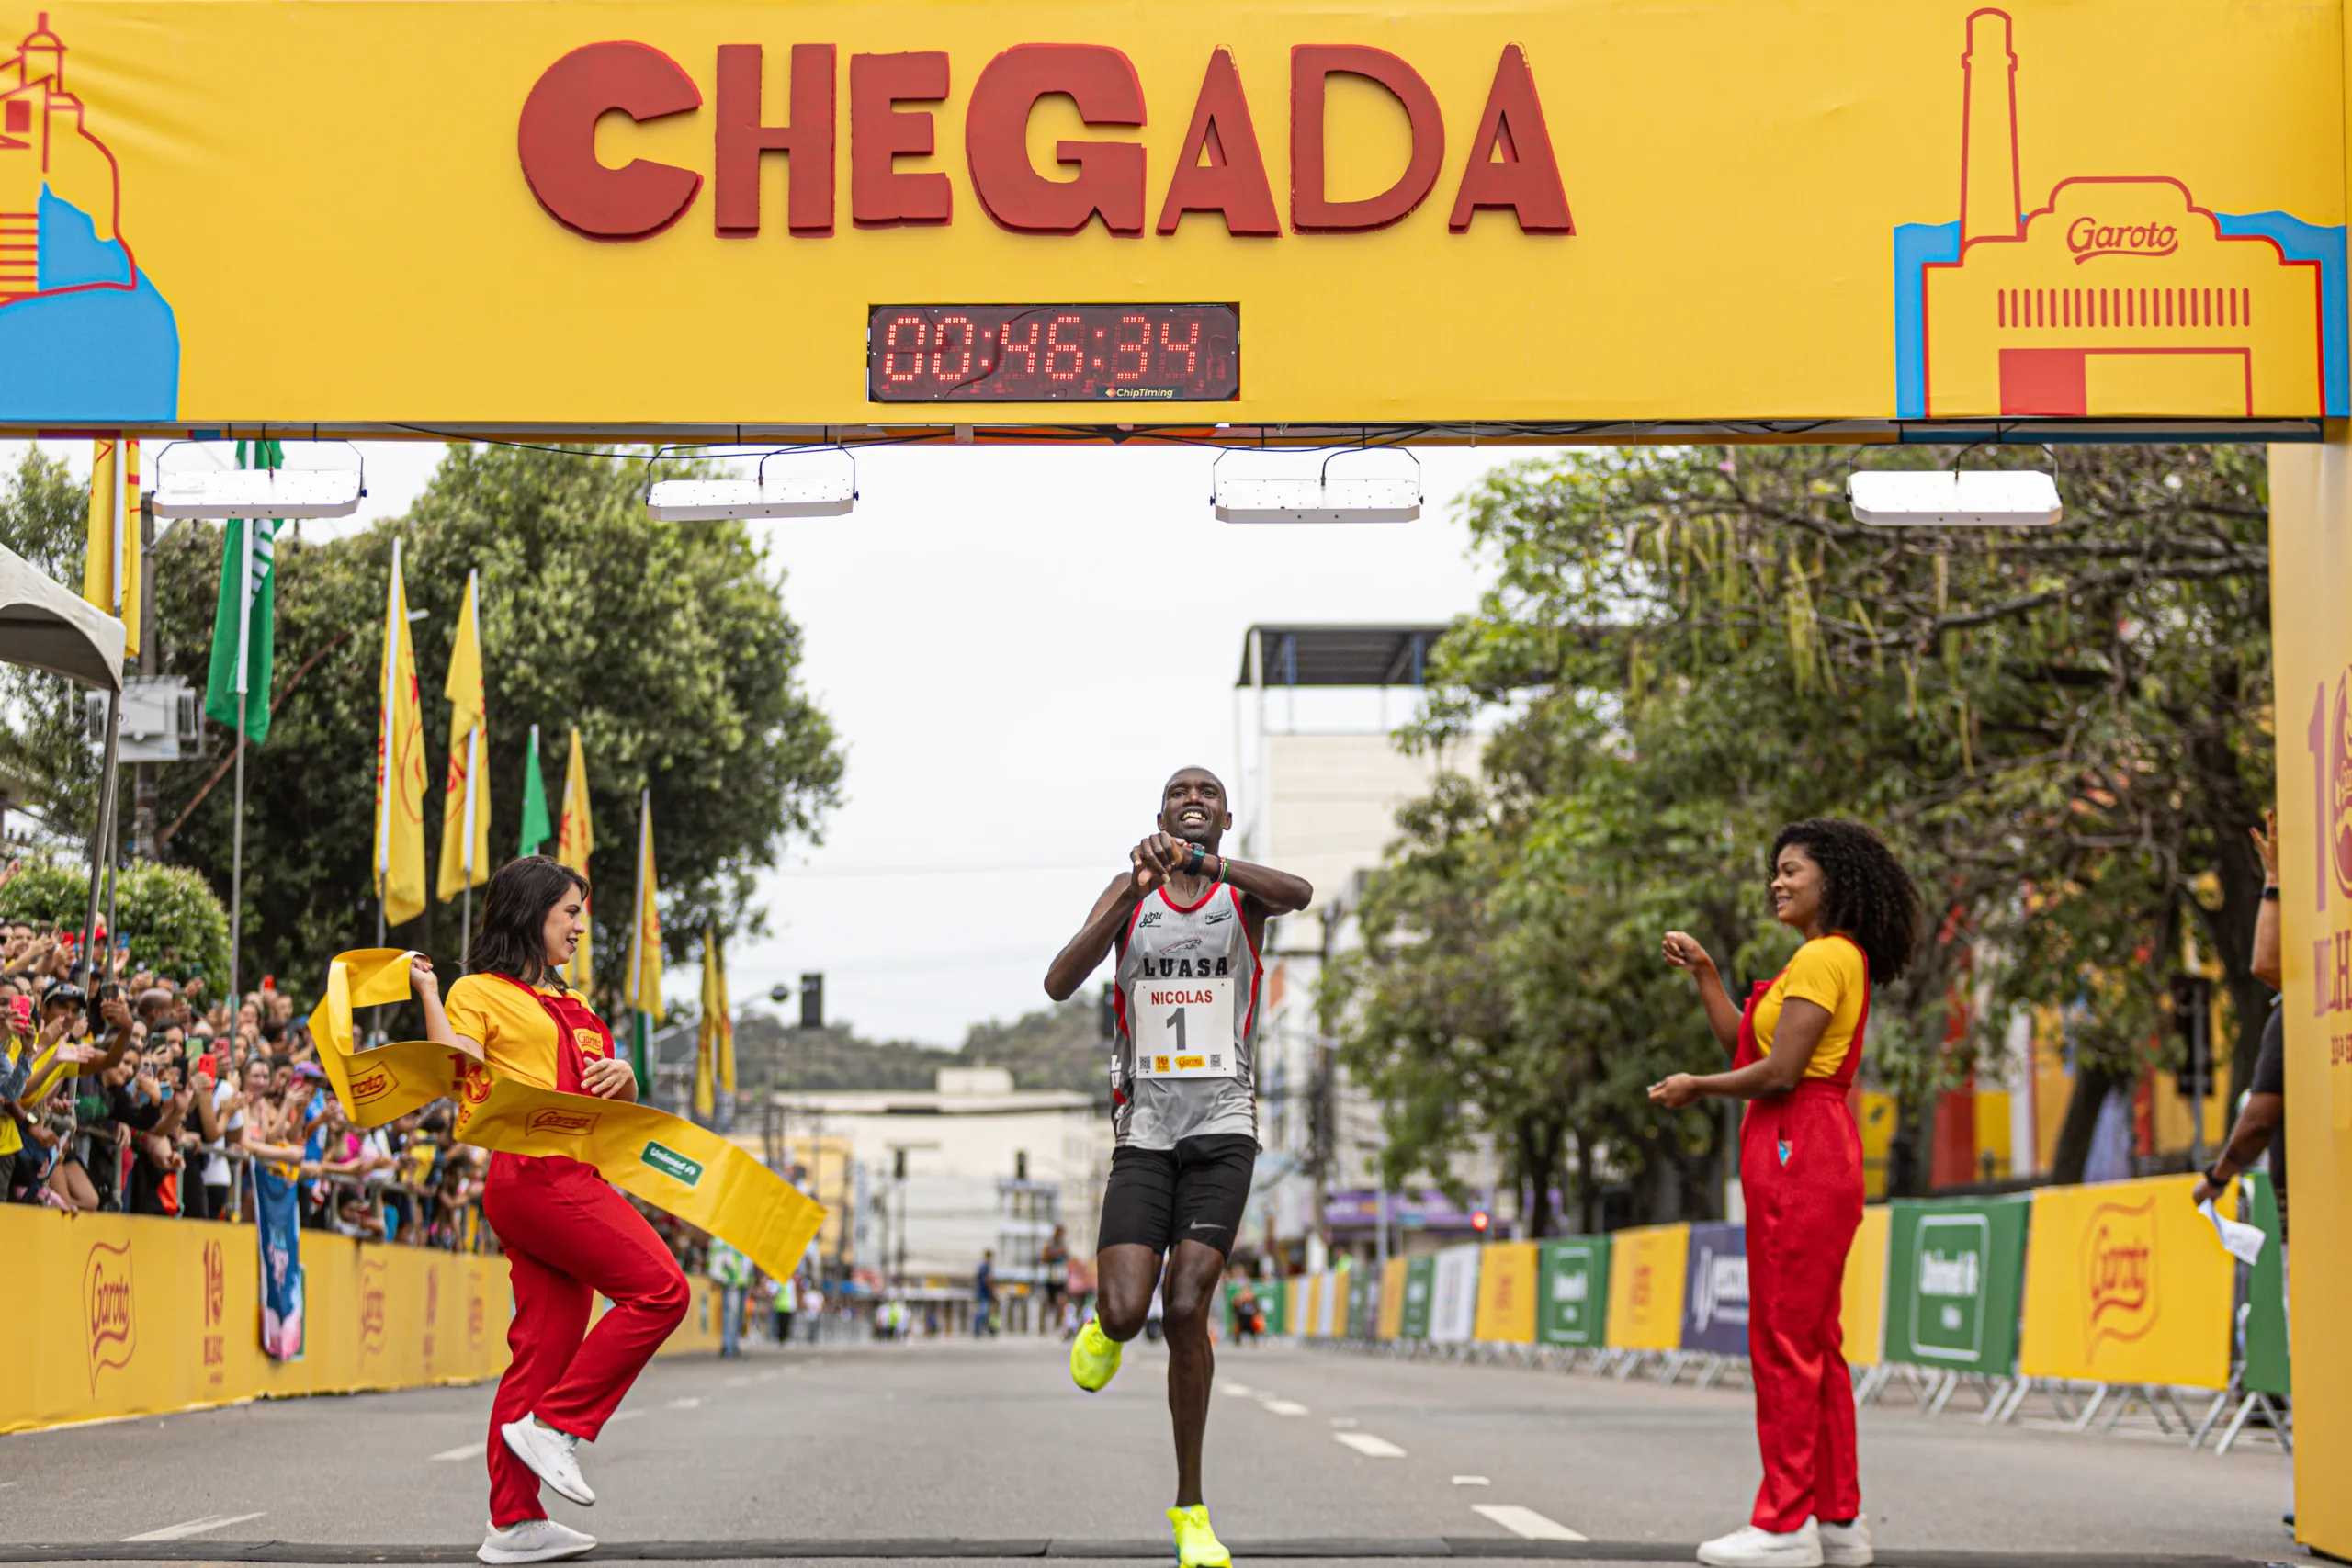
(1184,1029)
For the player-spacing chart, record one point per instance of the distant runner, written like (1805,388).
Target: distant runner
(1188,923)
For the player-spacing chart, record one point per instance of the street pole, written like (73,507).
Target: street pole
(142,808)
(100,828)
(237,817)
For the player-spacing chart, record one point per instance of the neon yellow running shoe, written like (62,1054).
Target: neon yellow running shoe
(1094,1358)
(1196,1544)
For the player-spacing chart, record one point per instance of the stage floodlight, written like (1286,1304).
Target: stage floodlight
(258,492)
(1938,498)
(1324,499)
(702,500)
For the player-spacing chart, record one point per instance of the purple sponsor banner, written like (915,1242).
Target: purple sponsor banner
(1715,1294)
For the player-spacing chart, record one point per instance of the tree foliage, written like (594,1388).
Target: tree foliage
(666,644)
(2065,734)
(177,927)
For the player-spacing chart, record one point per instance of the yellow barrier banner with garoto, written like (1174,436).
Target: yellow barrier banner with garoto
(674,1165)
(2125,1282)
(1507,1293)
(1647,1268)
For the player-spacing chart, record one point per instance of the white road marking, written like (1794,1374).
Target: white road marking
(739,1383)
(1243,1389)
(688,1404)
(626,1416)
(1471,1481)
(1344,1420)
(1525,1522)
(1285,1407)
(1369,1446)
(193,1526)
(464,1450)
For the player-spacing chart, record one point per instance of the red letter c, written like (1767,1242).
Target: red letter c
(557,140)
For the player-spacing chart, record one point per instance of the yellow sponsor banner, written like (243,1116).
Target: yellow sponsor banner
(1646,1266)
(2125,1282)
(2311,559)
(1392,1300)
(128,1315)
(1310,1322)
(1507,1293)
(1414,210)
(679,1168)
(1862,1300)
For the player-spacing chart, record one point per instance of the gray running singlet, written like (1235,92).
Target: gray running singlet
(1187,1001)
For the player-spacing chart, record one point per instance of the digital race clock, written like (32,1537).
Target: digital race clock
(1053,354)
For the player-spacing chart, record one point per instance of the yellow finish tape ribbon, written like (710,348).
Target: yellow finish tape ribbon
(674,1165)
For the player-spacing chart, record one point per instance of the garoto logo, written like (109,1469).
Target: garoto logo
(108,1309)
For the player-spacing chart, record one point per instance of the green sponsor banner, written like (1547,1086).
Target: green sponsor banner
(671,1163)
(1572,1291)
(1420,1292)
(1272,1301)
(1955,1272)
(1363,1301)
(2266,1290)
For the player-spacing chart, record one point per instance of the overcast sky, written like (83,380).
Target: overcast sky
(1016,646)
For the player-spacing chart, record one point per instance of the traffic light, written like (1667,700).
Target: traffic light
(2192,1013)
(812,1002)
(1479,1221)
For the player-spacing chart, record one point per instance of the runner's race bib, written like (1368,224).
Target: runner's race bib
(1183,1028)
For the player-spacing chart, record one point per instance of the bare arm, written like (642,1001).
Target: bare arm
(1274,892)
(1683,951)
(2266,963)
(1079,956)
(427,987)
(2251,1136)
(1803,1023)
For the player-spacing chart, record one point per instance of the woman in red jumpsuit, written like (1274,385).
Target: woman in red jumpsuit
(1795,1048)
(569,1235)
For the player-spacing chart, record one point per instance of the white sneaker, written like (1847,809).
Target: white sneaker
(553,1457)
(533,1540)
(1848,1545)
(1748,1547)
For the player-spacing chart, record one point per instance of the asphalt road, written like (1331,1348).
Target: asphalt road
(964,1452)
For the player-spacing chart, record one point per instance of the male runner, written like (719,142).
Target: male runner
(1188,923)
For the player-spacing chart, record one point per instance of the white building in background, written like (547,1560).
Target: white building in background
(969,1165)
(1315,712)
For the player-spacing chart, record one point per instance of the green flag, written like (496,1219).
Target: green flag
(536,829)
(256,597)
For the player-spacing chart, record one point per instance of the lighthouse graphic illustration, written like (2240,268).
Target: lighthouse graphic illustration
(83,333)
(2119,297)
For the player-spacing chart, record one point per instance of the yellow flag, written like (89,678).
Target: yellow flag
(645,931)
(575,840)
(399,767)
(677,1166)
(110,567)
(715,1041)
(464,806)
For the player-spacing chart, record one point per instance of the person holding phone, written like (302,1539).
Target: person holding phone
(569,1234)
(1795,1048)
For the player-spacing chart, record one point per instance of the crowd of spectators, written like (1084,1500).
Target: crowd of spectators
(153,1097)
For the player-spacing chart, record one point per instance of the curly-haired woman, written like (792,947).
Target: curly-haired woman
(1794,1047)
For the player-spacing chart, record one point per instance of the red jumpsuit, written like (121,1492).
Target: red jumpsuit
(569,1236)
(1801,1174)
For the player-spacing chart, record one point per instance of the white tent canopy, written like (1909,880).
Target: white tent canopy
(44,626)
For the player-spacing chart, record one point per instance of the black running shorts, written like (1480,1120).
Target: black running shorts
(1194,1191)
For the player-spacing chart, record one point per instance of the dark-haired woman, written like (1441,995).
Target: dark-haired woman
(569,1235)
(1794,1047)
